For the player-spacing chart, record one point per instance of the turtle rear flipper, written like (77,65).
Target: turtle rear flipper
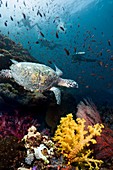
(6,74)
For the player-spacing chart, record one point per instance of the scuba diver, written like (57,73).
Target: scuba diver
(26,22)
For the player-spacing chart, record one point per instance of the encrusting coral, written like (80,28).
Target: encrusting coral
(73,141)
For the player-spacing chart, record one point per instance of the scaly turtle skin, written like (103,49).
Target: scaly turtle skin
(37,77)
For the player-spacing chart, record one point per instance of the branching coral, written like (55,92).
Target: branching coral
(73,140)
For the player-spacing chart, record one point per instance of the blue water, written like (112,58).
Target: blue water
(88,27)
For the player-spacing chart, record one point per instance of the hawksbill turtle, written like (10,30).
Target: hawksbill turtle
(37,77)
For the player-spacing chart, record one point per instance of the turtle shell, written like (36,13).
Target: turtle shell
(34,76)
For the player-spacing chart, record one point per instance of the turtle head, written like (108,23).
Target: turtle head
(68,83)
(71,83)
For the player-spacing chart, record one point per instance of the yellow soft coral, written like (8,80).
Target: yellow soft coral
(72,139)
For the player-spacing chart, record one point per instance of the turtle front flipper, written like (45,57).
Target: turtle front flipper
(57,93)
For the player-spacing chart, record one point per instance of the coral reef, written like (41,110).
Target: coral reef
(40,150)
(73,140)
(12,153)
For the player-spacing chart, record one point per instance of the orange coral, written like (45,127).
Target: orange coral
(73,139)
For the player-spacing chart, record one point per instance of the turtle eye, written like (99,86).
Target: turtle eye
(73,84)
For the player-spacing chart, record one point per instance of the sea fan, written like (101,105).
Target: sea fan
(104,147)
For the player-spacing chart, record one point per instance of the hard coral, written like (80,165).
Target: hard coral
(73,140)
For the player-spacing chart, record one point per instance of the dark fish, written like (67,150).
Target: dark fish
(0,15)
(6,4)
(24,3)
(38,13)
(93,40)
(100,54)
(49,61)
(78,25)
(41,34)
(67,52)
(100,63)
(111,58)
(5,23)
(75,49)
(37,42)
(8,32)
(24,15)
(57,35)
(62,28)
(11,18)
(109,42)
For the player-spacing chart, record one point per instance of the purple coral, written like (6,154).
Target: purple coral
(16,124)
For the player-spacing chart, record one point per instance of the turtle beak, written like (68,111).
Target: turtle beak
(75,85)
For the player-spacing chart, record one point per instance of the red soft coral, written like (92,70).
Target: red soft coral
(16,124)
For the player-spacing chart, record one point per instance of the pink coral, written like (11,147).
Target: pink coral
(16,124)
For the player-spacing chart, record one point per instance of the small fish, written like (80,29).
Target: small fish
(67,52)
(100,63)
(0,15)
(108,51)
(62,28)
(57,36)
(41,34)
(6,4)
(24,3)
(38,13)
(49,61)
(78,25)
(109,42)
(37,42)
(93,40)
(75,49)
(100,54)
(111,58)
(11,18)
(80,52)
(24,15)
(5,23)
